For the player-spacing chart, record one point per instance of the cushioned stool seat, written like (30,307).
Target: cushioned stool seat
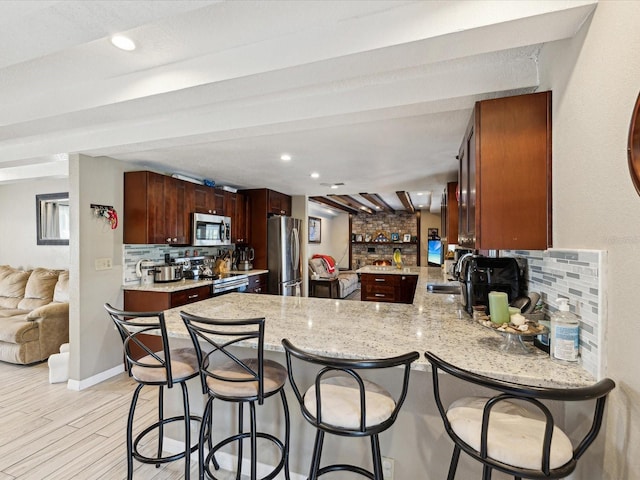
(275,375)
(184,365)
(514,431)
(340,400)
(515,435)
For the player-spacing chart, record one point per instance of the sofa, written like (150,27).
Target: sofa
(34,313)
(347,280)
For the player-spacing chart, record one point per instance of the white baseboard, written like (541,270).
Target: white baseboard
(228,462)
(78,385)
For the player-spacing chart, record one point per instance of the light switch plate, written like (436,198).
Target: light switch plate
(103,263)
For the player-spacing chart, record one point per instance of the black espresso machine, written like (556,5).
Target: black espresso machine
(480,275)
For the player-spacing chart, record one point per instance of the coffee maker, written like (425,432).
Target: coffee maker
(245,256)
(480,275)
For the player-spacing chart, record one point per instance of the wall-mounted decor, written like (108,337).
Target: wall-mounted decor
(52,218)
(315,229)
(359,237)
(406,237)
(395,237)
(633,149)
(106,213)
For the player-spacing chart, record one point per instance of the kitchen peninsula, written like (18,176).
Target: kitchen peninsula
(352,329)
(434,322)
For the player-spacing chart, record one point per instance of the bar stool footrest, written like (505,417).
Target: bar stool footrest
(161,460)
(239,437)
(338,467)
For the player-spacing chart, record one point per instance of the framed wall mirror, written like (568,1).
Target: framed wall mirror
(52,218)
(634,146)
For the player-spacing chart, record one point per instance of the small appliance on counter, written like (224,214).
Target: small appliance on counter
(145,271)
(480,275)
(245,256)
(167,273)
(190,266)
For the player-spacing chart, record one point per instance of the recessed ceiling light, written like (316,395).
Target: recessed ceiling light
(334,186)
(285,157)
(123,43)
(315,175)
(419,193)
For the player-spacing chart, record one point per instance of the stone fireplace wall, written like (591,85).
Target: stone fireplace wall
(364,253)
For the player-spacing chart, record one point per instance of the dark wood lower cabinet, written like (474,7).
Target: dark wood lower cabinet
(146,301)
(388,288)
(257,283)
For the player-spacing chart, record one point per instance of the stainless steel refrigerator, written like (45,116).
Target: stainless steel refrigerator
(283,255)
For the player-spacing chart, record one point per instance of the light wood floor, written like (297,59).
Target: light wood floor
(50,432)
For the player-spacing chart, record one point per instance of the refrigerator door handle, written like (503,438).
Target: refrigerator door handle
(295,258)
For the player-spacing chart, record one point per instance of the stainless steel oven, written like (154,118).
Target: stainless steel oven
(210,230)
(229,282)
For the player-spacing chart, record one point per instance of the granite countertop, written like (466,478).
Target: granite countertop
(184,284)
(390,270)
(352,329)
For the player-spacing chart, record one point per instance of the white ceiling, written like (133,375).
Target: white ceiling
(373,94)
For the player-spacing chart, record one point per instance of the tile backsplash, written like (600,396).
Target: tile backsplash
(578,275)
(131,254)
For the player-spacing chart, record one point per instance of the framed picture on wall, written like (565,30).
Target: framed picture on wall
(315,229)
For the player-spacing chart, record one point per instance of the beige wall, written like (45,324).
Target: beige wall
(18,246)
(334,238)
(595,79)
(94,344)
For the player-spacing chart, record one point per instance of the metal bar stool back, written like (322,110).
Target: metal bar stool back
(348,404)
(247,380)
(163,368)
(514,431)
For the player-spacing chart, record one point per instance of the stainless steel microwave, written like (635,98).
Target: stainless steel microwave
(210,230)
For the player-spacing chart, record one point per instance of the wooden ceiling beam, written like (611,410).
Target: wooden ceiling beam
(379,202)
(332,204)
(352,202)
(406,201)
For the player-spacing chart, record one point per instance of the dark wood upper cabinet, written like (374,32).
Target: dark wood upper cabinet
(449,214)
(157,209)
(505,175)
(240,218)
(263,203)
(210,200)
(278,203)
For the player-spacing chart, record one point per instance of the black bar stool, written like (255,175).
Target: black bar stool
(348,404)
(164,368)
(513,431)
(226,377)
